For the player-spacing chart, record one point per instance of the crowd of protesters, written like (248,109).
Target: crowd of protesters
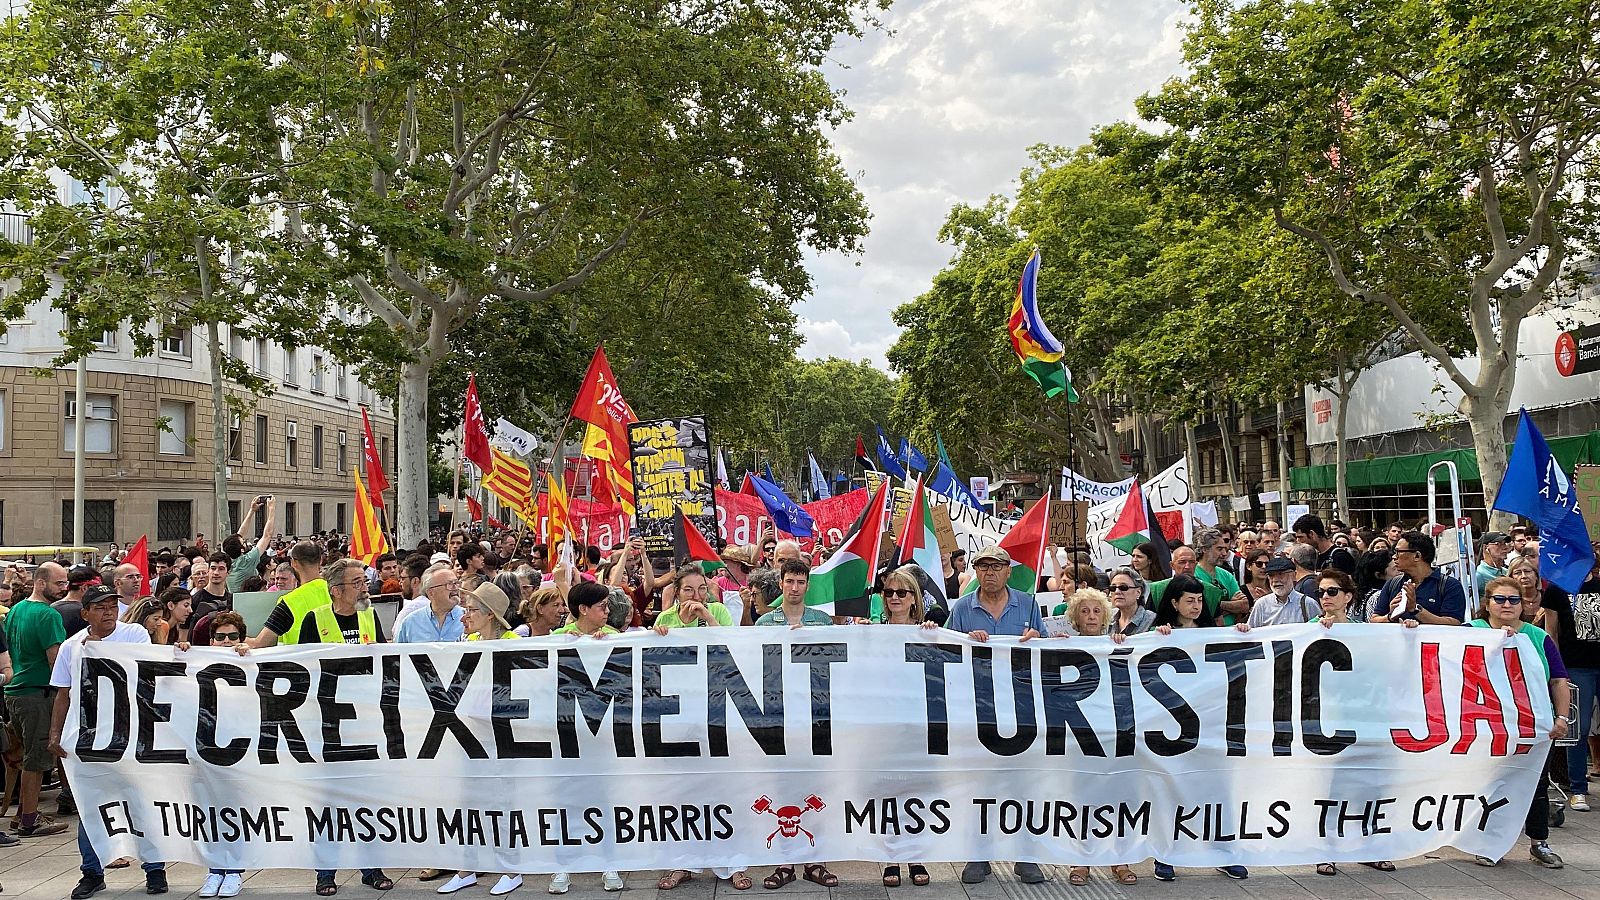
(502,586)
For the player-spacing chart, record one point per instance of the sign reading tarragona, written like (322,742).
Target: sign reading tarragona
(748,746)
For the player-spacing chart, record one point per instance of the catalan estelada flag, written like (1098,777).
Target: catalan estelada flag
(1036,348)
(367,542)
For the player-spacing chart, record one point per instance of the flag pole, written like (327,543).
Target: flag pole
(455,481)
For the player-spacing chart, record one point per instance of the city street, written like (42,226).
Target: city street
(47,868)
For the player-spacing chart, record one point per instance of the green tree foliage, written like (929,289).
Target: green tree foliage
(822,406)
(1427,152)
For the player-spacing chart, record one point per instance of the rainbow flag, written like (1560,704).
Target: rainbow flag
(1036,348)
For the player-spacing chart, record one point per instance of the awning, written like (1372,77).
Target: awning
(1413,469)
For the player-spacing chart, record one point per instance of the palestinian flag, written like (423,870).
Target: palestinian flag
(842,586)
(861,455)
(1025,542)
(918,544)
(690,546)
(1136,524)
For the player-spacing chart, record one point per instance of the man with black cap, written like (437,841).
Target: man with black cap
(99,611)
(1283,605)
(1496,547)
(996,609)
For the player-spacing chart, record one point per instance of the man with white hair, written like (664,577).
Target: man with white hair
(786,550)
(439,616)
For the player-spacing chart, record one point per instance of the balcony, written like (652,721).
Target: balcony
(15,228)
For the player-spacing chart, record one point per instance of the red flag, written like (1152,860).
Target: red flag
(496,523)
(600,404)
(139,555)
(861,453)
(748,488)
(475,444)
(474,509)
(377,482)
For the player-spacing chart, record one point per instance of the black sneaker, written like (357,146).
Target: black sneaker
(88,886)
(155,882)
(65,807)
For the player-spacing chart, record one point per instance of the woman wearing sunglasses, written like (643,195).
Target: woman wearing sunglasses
(902,605)
(1502,599)
(1129,615)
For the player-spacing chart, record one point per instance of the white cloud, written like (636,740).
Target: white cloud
(947,101)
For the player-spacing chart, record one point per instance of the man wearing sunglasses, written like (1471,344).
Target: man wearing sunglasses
(99,613)
(1420,593)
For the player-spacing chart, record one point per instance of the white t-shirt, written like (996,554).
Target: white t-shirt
(125,633)
(408,609)
(1294,609)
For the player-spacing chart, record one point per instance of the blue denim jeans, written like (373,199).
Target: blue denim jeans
(1587,681)
(91,860)
(332,872)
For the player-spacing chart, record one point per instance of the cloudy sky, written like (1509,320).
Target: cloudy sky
(947,100)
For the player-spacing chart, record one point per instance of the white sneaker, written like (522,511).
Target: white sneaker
(212,886)
(232,883)
(1579,802)
(458,881)
(560,883)
(506,885)
(612,881)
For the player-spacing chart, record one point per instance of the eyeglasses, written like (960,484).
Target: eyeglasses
(1330,592)
(1506,599)
(227,636)
(1119,588)
(1400,550)
(990,566)
(1259,564)
(357,583)
(469,608)
(897,592)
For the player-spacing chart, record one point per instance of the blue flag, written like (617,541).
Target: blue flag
(911,457)
(819,482)
(1536,488)
(944,481)
(786,514)
(888,459)
(770,477)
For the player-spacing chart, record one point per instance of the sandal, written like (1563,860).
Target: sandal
(919,875)
(741,881)
(817,873)
(1382,865)
(1078,876)
(378,881)
(891,876)
(1124,875)
(1327,869)
(326,886)
(780,876)
(672,879)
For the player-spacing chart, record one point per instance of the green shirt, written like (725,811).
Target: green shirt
(812,616)
(242,568)
(1223,585)
(573,629)
(1212,593)
(669,617)
(32,628)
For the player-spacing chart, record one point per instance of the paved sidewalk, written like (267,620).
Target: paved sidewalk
(47,868)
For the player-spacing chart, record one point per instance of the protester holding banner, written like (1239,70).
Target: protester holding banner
(483,614)
(693,606)
(1182,604)
(1284,605)
(541,613)
(1502,608)
(794,576)
(1090,613)
(1129,616)
(589,604)
(439,619)
(283,623)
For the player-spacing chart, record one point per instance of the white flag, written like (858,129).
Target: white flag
(515,439)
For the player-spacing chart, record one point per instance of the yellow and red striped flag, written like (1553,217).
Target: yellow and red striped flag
(511,481)
(556,500)
(367,541)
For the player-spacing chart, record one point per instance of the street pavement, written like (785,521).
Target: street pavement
(47,869)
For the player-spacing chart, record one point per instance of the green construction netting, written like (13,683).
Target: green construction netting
(1413,469)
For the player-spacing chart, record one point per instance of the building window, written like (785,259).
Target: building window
(235,438)
(175,427)
(339,518)
(316,376)
(174,520)
(316,517)
(316,448)
(99,522)
(2,420)
(261,441)
(233,516)
(289,525)
(236,346)
(291,444)
(108,341)
(343,458)
(100,429)
(383,454)
(261,356)
(291,367)
(175,341)
(340,375)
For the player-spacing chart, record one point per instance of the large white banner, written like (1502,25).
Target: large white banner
(757,746)
(1077,487)
(1167,492)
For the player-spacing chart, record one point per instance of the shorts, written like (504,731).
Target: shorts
(30,715)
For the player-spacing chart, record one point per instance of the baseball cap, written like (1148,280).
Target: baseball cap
(993,551)
(1279,564)
(1496,537)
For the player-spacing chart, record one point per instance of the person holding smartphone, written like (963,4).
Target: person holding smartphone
(1420,594)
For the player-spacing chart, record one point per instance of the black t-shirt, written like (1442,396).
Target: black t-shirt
(952,587)
(350,625)
(205,603)
(1337,557)
(71,615)
(1579,632)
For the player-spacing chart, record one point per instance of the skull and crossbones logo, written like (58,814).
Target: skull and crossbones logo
(789,817)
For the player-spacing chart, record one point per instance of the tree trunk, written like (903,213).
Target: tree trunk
(1193,451)
(1341,453)
(1283,470)
(220,526)
(1487,420)
(411,455)
(1227,454)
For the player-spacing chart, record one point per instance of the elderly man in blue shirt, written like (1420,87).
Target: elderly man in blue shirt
(440,620)
(996,609)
